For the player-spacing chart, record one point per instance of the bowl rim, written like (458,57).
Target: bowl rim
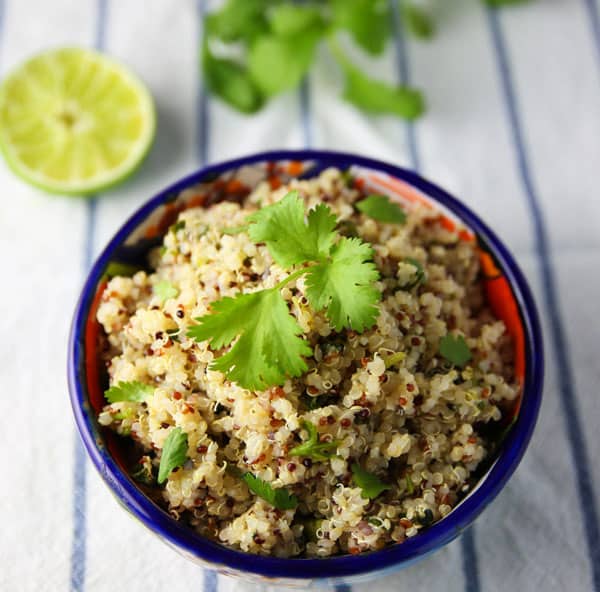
(393,556)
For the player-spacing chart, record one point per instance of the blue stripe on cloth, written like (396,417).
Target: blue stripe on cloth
(2,10)
(210,581)
(470,561)
(568,398)
(307,128)
(305,112)
(594,16)
(202,99)
(78,545)
(405,79)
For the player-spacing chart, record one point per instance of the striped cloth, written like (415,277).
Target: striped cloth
(513,129)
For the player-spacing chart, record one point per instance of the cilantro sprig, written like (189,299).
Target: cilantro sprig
(279,498)
(174,453)
(339,274)
(313,448)
(371,484)
(274,44)
(134,392)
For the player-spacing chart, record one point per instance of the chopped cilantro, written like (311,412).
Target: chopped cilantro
(419,276)
(410,488)
(394,359)
(174,334)
(455,349)
(370,484)
(279,498)
(179,225)
(134,392)
(115,268)
(174,453)
(347,228)
(382,209)
(142,472)
(312,447)
(165,290)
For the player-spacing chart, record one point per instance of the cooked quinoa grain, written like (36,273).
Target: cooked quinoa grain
(385,400)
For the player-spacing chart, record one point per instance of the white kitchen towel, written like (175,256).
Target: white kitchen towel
(512,128)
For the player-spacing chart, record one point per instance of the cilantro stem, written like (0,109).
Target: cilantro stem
(337,51)
(293,276)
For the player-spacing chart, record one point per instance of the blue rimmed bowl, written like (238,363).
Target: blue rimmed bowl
(508,295)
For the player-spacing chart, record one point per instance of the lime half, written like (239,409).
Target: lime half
(73,121)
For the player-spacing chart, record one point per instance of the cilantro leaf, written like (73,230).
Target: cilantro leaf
(268,349)
(343,286)
(289,239)
(134,392)
(455,349)
(498,3)
(279,498)
(231,82)
(375,96)
(238,20)
(370,484)
(417,20)
(313,447)
(382,209)
(165,290)
(277,63)
(289,19)
(368,21)
(174,453)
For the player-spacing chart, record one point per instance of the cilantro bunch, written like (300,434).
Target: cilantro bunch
(256,49)
(339,277)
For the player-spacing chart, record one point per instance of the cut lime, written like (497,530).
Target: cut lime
(73,121)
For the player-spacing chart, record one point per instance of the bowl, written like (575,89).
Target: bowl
(508,295)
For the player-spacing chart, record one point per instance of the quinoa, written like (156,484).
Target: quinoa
(386,396)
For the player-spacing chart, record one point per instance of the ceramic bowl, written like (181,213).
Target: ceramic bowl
(508,295)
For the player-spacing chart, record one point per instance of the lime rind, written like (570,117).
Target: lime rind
(37,76)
